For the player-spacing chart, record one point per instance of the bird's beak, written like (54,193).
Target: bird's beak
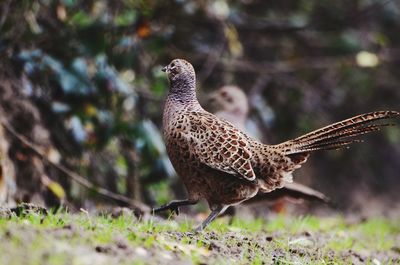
(165,69)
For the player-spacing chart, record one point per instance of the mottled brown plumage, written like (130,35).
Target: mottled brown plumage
(231,103)
(221,164)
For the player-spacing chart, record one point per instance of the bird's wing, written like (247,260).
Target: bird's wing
(219,145)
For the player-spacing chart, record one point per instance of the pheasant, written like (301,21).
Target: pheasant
(231,103)
(221,164)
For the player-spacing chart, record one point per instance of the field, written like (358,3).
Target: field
(81,238)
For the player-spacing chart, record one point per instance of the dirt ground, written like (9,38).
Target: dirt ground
(83,238)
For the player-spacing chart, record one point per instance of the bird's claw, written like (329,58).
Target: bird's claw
(192,233)
(175,210)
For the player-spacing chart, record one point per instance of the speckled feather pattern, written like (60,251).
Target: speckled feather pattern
(223,165)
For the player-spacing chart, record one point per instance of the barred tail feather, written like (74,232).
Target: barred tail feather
(338,135)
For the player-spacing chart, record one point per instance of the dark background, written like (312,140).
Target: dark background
(82,81)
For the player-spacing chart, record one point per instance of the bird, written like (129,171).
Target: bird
(221,164)
(229,102)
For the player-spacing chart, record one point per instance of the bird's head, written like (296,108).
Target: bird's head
(179,69)
(229,99)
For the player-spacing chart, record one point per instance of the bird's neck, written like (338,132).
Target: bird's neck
(181,99)
(183,94)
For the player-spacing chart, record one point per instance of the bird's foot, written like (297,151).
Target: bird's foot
(198,229)
(194,232)
(175,210)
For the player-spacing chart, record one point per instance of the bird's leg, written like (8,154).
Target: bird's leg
(214,213)
(174,205)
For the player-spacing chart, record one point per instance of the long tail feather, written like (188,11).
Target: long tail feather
(291,190)
(351,133)
(338,135)
(346,135)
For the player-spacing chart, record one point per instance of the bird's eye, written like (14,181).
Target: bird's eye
(172,65)
(229,99)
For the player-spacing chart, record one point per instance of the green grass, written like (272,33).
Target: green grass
(64,238)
